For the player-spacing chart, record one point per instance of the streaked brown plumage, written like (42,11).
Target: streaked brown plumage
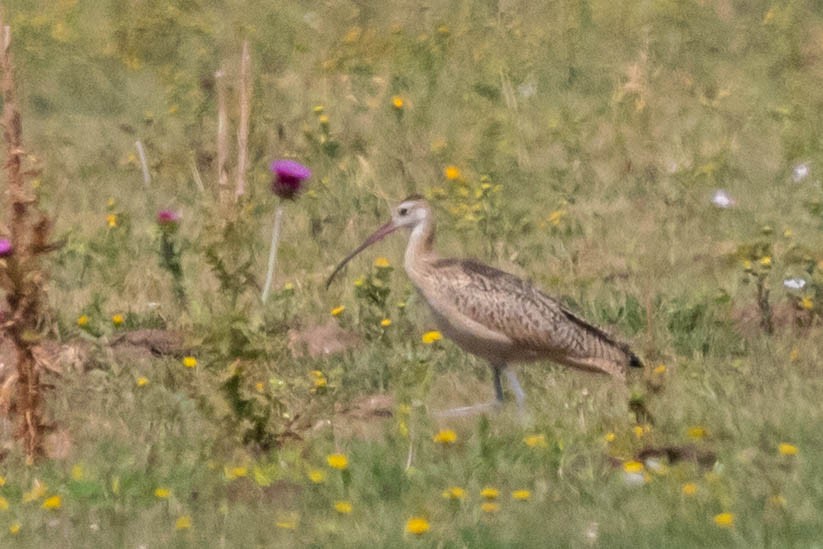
(496,315)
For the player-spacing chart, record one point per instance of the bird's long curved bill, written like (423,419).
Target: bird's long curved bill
(378,235)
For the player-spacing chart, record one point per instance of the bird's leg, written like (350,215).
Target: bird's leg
(519,395)
(498,386)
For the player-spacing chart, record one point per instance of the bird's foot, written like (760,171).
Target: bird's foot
(467,411)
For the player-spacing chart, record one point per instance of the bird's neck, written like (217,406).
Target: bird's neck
(420,250)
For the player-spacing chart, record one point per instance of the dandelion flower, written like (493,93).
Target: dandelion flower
(337,311)
(489,507)
(2,480)
(659,369)
(338,461)
(794,355)
(83,321)
(237,472)
(397,102)
(4,504)
(610,437)
(382,263)
(53,502)
(343,507)
(162,493)
(454,493)
(189,362)
(445,437)
(385,323)
(117,320)
(490,493)
(14,528)
(182,523)
(521,495)
(111,220)
(689,489)
(806,303)
(142,381)
(633,466)
(417,526)
(536,441)
(317,476)
(724,520)
(452,173)
(556,217)
(765,262)
(431,336)
(639,430)
(786,449)
(697,432)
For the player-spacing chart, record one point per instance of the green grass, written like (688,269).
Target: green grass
(590,138)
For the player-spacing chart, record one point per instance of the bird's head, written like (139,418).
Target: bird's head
(411,213)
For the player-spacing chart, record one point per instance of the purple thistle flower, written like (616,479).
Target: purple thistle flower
(168,217)
(288,178)
(6,247)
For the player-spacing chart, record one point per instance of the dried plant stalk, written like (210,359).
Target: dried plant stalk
(222,137)
(22,278)
(243,126)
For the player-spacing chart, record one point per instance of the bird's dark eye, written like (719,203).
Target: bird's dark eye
(403,211)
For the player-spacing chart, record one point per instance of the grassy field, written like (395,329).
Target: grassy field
(579,144)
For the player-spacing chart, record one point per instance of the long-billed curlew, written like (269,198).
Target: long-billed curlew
(493,314)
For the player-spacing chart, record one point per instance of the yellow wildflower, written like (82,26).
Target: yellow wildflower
(777,501)
(445,436)
(454,492)
(53,502)
(162,493)
(397,102)
(431,336)
(417,526)
(259,386)
(382,263)
(556,217)
(786,449)
(337,311)
(286,524)
(111,220)
(4,504)
(689,489)
(2,480)
(610,437)
(182,523)
(697,432)
(343,507)
(633,466)
(83,321)
(239,471)
(747,265)
(38,490)
(536,441)
(142,381)
(338,461)
(724,520)
(452,173)
(639,430)
(117,320)
(521,495)
(766,262)
(385,323)
(14,528)
(318,109)
(77,472)
(794,354)
(317,476)
(189,362)
(490,493)
(489,507)
(806,303)
(659,369)
(323,119)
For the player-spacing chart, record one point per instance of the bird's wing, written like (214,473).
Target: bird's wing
(510,306)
